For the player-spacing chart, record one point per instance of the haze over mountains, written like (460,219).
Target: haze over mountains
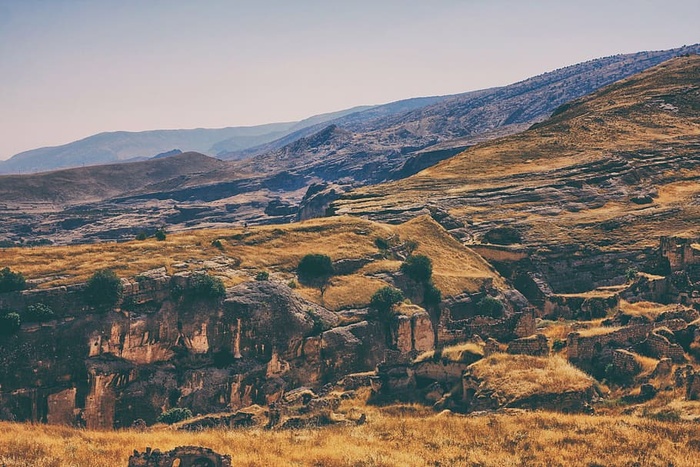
(404,125)
(299,175)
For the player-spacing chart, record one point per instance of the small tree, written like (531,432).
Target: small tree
(160,235)
(315,270)
(11,281)
(174,415)
(104,289)
(384,299)
(10,323)
(418,267)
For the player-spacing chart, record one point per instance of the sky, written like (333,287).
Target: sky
(73,68)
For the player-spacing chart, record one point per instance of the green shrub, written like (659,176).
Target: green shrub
(141,236)
(558,345)
(217,244)
(38,313)
(490,306)
(631,274)
(9,323)
(418,267)
(431,294)
(384,299)
(262,276)
(174,415)
(104,289)
(11,281)
(202,285)
(381,244)
(292,284)
(160,235)
(315,270)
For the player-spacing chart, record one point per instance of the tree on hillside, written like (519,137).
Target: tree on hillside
(384,299)
(418,267)
(315,270)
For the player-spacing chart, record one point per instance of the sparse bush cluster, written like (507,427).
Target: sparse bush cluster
(9,323)
(104,289)
(490,306)
(38,313)
(202,285)
(11,281)
(262,276)
(174,415)
(384,300)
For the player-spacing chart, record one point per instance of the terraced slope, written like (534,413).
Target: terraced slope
(607,174)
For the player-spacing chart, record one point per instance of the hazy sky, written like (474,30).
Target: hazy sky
(72,68)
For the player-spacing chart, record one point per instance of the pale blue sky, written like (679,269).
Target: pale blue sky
(72,68)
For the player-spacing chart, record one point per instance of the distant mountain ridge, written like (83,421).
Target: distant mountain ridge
(125,146)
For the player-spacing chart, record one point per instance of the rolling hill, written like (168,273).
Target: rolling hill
(588,192)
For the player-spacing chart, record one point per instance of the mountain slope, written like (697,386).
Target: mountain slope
(610,172)
(89,184)
(376,146)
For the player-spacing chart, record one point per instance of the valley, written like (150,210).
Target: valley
(522,289)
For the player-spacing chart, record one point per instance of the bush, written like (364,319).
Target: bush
(490,306)
(141,236)
(631,274)
(104,289)
(431,294)
(160,235)
(9,323)
(38,313)
(174,415)
(292,284)
(558,345)
(418,267)
(262,276)
(315,270)
(217,244)
(203,285)
(11,281)
(384,299)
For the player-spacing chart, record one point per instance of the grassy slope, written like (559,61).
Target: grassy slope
(626,117)
(276,249)
(392,436)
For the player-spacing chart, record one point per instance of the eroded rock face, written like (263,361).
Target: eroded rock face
(105,370)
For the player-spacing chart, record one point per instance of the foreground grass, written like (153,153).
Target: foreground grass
(393,436)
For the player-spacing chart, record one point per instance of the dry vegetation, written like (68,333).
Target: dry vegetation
(467,352)
(276,249)
(392,436)
(520,376)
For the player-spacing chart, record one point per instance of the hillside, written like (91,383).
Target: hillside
(89,184)
(607,174)
(374,149)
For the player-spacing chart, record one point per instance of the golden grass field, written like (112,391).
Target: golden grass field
(276,249)
(393,436)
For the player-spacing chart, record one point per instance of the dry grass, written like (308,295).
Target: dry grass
(520,376)
(392,436)
(462,353)
(276,249)
(649,310)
